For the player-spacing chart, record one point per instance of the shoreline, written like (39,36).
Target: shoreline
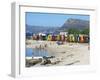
(68,53)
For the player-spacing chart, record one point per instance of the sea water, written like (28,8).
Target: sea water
(30,52)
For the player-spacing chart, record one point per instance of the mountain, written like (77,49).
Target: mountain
(69,23)
(75,23)
(37,29)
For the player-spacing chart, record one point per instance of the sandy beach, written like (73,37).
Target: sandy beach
(65,54)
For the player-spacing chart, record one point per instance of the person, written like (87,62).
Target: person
(88,47)
(45,45)
(40,47)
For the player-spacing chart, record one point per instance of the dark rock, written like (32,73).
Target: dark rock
(32,62)
(46,62)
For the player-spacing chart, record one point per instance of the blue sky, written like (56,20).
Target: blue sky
(51,20)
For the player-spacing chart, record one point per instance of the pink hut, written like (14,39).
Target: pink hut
(62,37)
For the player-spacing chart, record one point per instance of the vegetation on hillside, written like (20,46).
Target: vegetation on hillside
(77,31)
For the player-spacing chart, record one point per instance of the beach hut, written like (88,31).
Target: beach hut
(49,37)
(54,37)
(86,38)
(71,38)
(34,37)
(81,39)
(40,36)
(62,37)
(58,37)
(66,37)
(76,37)
(44,37)
(37,37)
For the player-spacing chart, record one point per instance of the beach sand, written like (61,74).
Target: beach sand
(66,54)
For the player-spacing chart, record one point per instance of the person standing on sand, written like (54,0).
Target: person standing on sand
(45,45)
(88,46)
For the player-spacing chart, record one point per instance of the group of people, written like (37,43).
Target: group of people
(41,46)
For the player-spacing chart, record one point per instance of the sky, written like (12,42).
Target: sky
(50,19)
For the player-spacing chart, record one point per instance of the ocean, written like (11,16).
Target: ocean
(30,52)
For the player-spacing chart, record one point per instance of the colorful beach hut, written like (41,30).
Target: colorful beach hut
(86,38)
(62,37)
(37,37)
(58,38)
(71,38)
(49,38)
(53,37)
(81,38)
(76,37)
(34,37)
(66,37)
(44,36)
